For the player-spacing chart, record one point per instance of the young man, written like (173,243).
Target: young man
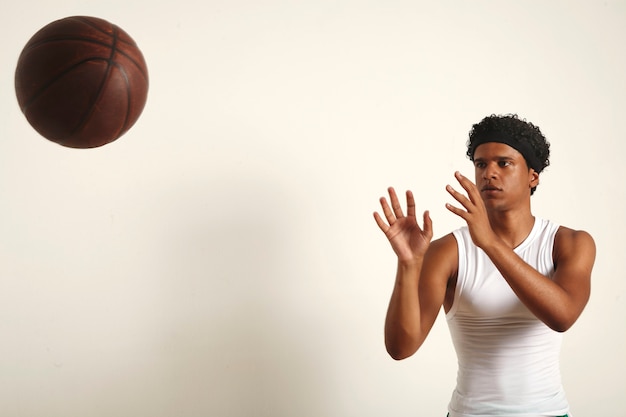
(509,282)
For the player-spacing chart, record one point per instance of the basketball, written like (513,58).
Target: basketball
(81,82)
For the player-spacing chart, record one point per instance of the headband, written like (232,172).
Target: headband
(522,147)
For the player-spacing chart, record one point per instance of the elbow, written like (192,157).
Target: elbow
(402,342)
(561,325)
(561,320)
(400,351)
(398,355)
(560,328)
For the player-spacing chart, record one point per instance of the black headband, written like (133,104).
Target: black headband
(522,147)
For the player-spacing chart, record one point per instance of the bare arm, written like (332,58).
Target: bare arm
(557,301)
(421,280)
(417,298)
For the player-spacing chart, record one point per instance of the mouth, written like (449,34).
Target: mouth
(489,188)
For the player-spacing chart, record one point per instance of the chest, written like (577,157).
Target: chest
(488,296)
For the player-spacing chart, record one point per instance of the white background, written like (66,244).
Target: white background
(221,258)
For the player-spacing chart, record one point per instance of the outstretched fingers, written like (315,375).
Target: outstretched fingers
(392,209)
(461,198)
(410,204)
(459,212)
(472,191)
(395,204)
(388,213)
(469,201)
(428,225)
(380,222)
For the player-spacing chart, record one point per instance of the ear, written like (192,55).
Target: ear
(533,178)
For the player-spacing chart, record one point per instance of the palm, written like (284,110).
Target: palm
(407,239)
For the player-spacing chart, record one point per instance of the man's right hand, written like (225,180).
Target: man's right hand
(407,239)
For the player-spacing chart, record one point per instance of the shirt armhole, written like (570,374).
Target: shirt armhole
(461,267)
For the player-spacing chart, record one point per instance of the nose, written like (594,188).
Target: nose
(490,171)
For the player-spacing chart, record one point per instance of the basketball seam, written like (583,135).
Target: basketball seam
(54,79)
(90,23)
(92,41)
(115,30)
(128,97)
(110,63)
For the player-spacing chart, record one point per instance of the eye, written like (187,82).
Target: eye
(479,164)
(504,163)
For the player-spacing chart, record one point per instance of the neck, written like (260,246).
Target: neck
(512,227)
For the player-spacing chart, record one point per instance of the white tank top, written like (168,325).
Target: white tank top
(508,359)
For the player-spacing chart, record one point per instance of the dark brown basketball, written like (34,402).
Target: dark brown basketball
(81,82)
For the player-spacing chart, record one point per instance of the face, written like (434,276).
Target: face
(502,176)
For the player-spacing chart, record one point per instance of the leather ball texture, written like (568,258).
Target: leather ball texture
(81,82)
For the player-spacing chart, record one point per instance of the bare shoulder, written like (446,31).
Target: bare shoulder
(443,253)
(445,246)
(572,244)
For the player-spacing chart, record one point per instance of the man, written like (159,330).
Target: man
(510,283)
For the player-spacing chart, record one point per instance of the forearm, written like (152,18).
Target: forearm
(402,324)
(547,300)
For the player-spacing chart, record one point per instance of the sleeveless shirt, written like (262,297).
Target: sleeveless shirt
(508,360)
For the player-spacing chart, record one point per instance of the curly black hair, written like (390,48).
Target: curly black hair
(515,129)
